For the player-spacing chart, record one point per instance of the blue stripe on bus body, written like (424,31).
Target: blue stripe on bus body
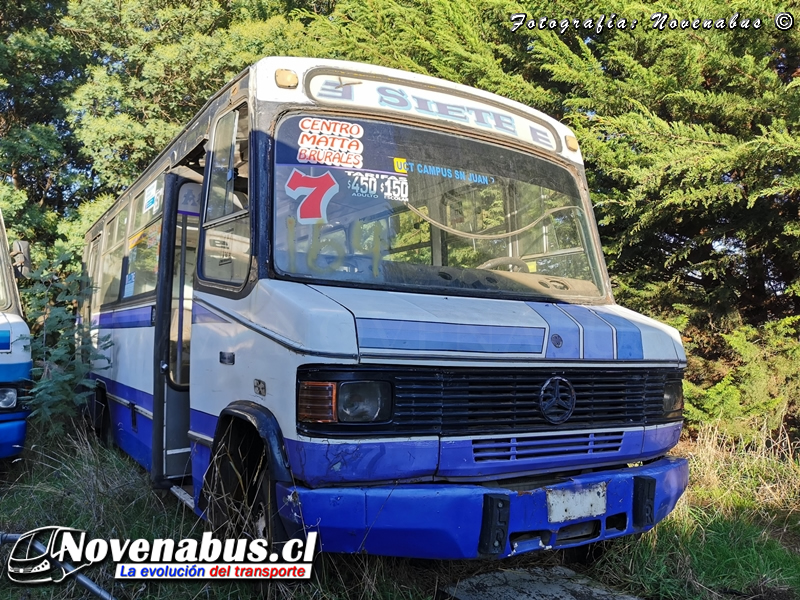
(10,373)
(318,462)
(394,334)
(5,339)
(125,319)
(598,336)
(126,392)
(201,458)
(561,325)
(660,439)
(136,443)
(203,423)
(12,435)
(203,315)
(629,337)
(457,457)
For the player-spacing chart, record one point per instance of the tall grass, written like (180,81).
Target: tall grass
(736,532)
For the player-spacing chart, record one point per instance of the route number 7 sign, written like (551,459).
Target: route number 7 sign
(318,191)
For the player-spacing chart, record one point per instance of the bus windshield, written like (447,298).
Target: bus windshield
(387,205)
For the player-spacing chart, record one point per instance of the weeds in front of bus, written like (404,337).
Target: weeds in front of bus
(62,347)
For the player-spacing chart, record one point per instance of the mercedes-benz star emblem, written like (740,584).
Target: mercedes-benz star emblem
(557,400)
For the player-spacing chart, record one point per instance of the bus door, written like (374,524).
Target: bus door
(171,445)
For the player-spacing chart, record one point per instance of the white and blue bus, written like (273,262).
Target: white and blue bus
(373,304)
(15,351)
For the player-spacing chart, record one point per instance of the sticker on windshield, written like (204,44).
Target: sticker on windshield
(150,196)
(330,142)
(447,173)
(365,184)
(316,191)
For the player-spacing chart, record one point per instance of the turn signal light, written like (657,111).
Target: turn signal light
(316,402)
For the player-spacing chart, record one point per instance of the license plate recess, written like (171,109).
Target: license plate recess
(570,504)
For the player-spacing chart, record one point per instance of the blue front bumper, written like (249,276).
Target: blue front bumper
(13,428)
(456,521)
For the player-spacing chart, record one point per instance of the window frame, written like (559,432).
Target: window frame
(110,246)
(94,272)
(133,231)
(210,165)
(234,106)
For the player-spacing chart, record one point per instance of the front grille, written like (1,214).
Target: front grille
(466,402)
(563,445)
(503,401)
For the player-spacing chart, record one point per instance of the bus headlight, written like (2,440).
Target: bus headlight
(364,401)
(673,397)
(344,401)
(8,397)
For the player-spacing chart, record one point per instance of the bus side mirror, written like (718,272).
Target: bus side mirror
(21,255)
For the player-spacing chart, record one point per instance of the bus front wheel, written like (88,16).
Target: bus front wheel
(241,493)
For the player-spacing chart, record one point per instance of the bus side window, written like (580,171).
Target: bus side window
(114,252)
(93,300)
(143,242)
(226,249)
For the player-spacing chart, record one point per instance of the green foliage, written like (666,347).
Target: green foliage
(155,64)
(699,554)
(39,158)
(27,221)
(762,383)
(690,142)
(61,346)
(72,228)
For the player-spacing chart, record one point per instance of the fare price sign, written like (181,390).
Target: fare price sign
(367,184)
